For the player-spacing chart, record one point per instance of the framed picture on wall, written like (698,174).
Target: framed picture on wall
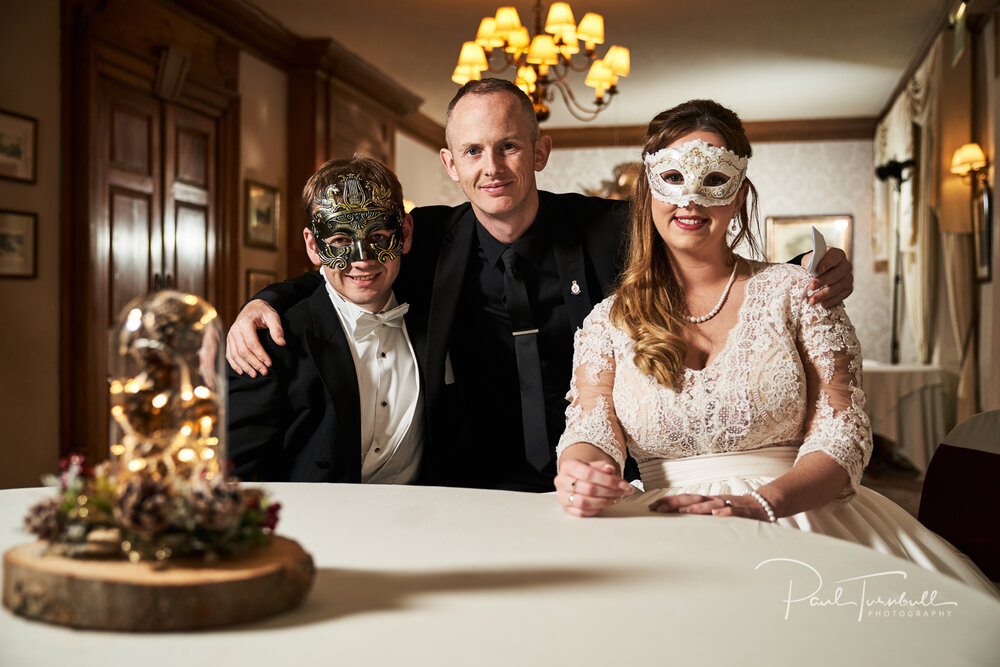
(18,244)
(789,236)
(262,216)
(258,279)
(18,141)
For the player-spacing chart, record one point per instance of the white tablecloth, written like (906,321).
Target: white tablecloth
(429,576)
(914,406)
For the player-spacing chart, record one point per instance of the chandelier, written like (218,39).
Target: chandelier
(544,60)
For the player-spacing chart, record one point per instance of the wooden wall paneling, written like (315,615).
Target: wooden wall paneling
(813,129)
(424,129)
(595,136)
(227,229)
(146,28)
(360,126)
(76,139)
(256,32)
(308,140)
(327,120)
(818,129)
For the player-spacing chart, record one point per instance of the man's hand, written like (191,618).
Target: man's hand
(835,281)
(243,349)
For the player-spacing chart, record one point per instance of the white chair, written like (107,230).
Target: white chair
(959,500)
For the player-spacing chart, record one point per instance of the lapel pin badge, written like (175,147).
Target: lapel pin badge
(574,288)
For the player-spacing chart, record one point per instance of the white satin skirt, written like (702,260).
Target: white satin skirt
(868,518)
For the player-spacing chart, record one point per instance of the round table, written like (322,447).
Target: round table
(433,576)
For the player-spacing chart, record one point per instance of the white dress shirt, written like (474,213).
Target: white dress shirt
(392,417)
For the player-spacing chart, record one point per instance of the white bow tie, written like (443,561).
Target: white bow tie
(368,322)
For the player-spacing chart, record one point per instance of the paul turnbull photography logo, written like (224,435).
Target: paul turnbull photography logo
(806,589)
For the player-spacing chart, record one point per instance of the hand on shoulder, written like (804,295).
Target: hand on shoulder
(243,349)
(835,280)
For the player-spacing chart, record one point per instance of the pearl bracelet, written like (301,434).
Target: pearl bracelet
(763,503)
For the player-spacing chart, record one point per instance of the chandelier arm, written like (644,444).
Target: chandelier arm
(575,108)
(568,63)
(505,63)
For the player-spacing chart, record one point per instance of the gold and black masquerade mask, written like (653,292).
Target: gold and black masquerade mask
(356,220)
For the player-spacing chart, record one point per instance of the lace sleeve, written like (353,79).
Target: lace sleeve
(836,423)
(590,416)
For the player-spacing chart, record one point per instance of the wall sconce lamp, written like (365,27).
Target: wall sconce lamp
(970,163)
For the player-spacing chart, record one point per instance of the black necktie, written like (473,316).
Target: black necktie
(529,368)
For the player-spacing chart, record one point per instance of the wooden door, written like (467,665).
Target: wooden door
(189,190)
(154,196)
(151,125)
(128,197)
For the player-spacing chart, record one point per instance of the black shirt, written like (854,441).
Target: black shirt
(484,363)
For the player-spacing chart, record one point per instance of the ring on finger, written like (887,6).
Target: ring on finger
(729,503)
(572,486)
(571,497)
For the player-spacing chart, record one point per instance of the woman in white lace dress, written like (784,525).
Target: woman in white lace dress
(735,395)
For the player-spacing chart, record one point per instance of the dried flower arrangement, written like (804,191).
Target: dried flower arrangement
(149,518)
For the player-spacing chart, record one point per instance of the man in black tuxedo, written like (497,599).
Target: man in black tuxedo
(498,285)
(342,402)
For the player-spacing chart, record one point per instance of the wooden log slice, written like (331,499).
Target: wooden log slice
(188,594)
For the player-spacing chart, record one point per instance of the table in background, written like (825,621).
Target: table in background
(431,576)
(913,406)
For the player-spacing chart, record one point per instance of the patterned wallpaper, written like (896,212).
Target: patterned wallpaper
(806,178)
(832,177)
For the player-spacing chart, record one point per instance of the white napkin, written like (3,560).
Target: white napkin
(819,252)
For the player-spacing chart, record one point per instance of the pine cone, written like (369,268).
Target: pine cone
(44,519)
(216,504)
(144,506)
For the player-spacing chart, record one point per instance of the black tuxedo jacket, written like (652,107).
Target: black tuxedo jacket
(301,421)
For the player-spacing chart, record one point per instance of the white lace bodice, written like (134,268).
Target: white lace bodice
(789,374)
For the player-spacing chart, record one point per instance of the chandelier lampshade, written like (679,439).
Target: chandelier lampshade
(472,56)
(507,21)
(560,18)
(591,30)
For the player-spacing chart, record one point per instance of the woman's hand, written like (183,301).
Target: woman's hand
(243,349)
(692,503)
(584,488)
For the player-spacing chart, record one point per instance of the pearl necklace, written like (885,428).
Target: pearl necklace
(715,311)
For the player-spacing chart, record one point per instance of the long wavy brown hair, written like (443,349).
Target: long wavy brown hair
(649,304)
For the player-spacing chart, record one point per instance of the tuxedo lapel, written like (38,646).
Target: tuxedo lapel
(449,274)
(335,363)
(567,246)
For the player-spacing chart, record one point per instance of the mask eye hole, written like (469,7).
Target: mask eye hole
(715,179)
(340,241)
(672,177)
(380,237)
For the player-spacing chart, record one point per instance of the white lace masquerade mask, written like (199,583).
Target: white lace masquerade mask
(695,172)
